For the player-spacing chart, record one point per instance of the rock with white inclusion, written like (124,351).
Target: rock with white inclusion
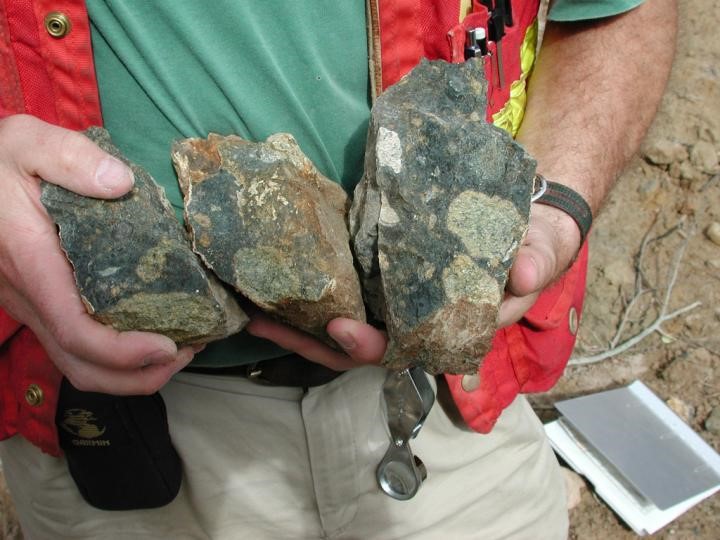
(265,220)
(439,216)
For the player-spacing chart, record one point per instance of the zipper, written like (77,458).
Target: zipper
(374,59)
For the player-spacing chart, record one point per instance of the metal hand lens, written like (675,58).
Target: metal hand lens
(408,400)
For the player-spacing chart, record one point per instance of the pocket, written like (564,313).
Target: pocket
(118,449)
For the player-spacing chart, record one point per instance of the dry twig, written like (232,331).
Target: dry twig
(616,348)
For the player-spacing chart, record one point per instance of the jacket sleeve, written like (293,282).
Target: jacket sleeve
(11,98)
(52,78)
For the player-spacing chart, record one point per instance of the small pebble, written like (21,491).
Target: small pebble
(705,157)
(681,408)
(664,152)
(689,172)
(712,422)
(574,487)
(713,232)
(675,170)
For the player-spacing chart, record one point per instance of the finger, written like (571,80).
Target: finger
(514,308)
(552,242)
(84,339)
(63,157)
(89,377)
(299,342)
(87,374)
(532,270)
(534,266)
(49,286)
(362,342)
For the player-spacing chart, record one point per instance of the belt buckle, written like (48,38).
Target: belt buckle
(253,373)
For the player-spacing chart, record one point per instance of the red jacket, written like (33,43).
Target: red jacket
(53,78)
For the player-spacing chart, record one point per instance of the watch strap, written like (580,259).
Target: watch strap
(569,201)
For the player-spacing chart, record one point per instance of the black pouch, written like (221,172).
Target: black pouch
(118,448)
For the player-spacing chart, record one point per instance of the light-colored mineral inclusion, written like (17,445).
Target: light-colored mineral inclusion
(388,216)
(484,234)
(463,279)
(389,150)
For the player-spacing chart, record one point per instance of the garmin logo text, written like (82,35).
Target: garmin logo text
(85,442)
(85,425)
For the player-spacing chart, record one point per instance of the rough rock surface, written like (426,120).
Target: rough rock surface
(438,217)
(133,263)
(268,223)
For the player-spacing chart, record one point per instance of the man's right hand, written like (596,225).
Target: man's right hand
(37,286)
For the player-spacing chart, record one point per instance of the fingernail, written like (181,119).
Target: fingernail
(158,357)
(112,174)
(346,340)
(185,356)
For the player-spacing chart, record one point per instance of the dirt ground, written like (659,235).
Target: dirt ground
(664,207)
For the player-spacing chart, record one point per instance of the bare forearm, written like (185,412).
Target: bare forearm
(593,94)
(595,90)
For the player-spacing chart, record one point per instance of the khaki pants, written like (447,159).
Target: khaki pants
(279,463)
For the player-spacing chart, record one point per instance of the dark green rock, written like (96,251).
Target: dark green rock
(133,263)
(268,223)
(439,216)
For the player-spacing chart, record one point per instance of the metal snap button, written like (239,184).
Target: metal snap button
(470,382)
(34,395)
(57,24)
(573,321)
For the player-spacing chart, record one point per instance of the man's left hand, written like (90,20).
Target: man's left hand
(361,343)
(550,246)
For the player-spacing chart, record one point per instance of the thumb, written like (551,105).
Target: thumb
(63,157)
(361,341)
(552,241)
(530,273)
(533,269)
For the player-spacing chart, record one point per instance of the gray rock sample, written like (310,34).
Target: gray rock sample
(133,263)
(438,217)
(267,222)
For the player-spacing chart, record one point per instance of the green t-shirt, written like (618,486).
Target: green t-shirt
(582,10)
(170,70)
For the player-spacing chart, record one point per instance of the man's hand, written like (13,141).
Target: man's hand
(362,344)
(37,286)
(551,244)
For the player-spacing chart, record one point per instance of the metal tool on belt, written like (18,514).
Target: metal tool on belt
(408,400)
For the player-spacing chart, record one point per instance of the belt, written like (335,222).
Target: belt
(290,370)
